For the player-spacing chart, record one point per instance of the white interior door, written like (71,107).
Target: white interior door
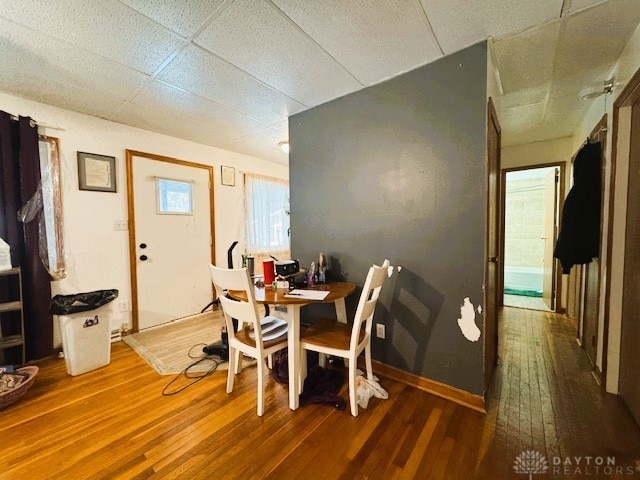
(550,221)
(173,239)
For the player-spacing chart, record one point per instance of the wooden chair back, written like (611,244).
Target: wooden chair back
(367,304)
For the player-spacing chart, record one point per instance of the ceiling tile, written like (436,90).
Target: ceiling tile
(148,118)
(168,101)
(522,97)
(526,60)
(460,23)
(255,37)
(204,74)
(182,16)
(591,41)
(28,54)
(107,28)
(521,118)
(374,40)
(51,91)
(264,143)
(576,5)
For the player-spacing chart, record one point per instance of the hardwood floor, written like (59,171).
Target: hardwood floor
(114,422)
(545,398)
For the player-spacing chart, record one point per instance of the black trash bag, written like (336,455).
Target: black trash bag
(81,302)
(320,386)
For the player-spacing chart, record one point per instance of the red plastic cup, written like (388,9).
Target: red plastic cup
(268,266)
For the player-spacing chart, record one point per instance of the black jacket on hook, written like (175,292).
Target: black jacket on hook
(579,238)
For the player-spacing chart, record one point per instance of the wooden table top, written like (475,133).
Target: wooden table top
(272,297)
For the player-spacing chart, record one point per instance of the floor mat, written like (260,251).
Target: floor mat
(167,347)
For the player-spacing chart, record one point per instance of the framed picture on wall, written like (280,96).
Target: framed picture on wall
(228,176)
(96,172)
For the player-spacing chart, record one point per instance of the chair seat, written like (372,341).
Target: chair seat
(329,333)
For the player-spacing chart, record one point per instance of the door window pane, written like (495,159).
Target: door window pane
(175,197)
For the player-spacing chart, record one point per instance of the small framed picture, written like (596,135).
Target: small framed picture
(96,172)
(228,176)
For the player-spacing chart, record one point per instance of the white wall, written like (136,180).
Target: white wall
(626,66)
(97,255)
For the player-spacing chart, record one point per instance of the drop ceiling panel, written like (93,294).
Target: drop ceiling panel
(577,5)
(521,118)
(264,143)
(204,74)
(107,28)
(460,23)
(372,39)
(25,53)
(522,97)
(593,39)
(148,119)
(254,36)
(182,16)
(527,60)
(62,95)
(224,123)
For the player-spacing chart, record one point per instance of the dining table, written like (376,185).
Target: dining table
(288,308)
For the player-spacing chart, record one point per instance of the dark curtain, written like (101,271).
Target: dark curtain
(20,171)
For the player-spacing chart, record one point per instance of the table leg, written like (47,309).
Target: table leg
(293,320)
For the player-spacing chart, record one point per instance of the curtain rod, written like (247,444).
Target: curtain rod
(35,123)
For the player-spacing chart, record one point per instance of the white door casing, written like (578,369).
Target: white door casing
(169,253)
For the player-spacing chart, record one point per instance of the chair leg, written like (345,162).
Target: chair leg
(322,360)
(352,388)
(238,361)
(303,368)
(261,387)
(367,360)
(231,372)
(270,362)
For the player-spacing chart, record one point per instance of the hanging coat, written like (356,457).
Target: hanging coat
(579,238)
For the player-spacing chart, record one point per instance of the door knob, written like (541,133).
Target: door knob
(143,257)
(143,245)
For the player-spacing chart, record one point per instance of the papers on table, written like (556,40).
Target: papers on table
(307,294)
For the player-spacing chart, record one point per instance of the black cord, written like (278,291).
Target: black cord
(196,378)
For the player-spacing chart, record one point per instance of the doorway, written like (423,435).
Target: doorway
(532,204)
(171,238)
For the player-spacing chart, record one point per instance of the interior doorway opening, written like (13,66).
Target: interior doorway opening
(532,198)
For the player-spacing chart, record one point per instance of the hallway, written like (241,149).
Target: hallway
(544,398)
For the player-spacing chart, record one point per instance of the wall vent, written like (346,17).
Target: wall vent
(116,335)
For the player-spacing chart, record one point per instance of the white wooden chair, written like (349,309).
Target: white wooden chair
(252,338)
(329,337)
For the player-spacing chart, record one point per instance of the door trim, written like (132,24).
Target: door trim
(628,96)
(561,194)
(133,266)
(492,118)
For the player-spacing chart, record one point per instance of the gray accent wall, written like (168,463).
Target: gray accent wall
(397,170)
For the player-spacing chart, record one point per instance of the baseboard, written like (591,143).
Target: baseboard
(461,397)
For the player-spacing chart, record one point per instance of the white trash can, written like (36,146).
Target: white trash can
(86,338)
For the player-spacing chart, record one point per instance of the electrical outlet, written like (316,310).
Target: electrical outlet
(380,330)
(124,306)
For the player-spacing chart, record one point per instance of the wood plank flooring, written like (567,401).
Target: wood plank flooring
(545,398)
(115,423)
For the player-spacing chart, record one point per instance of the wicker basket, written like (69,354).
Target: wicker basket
(12,396)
